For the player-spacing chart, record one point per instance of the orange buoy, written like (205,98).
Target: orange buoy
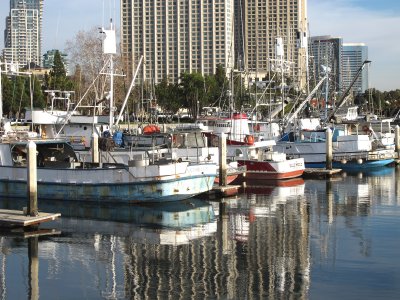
(150,129)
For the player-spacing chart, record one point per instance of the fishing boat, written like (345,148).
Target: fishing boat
(61,175)
(234,125)
(262,163)
(350,151)
(190,143)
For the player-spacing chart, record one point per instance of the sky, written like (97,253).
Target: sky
(373,22)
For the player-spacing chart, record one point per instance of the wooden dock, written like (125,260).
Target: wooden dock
(320,172)
(18,218)
(221,191)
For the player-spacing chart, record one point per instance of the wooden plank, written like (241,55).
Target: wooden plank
(320,172)
(18,218)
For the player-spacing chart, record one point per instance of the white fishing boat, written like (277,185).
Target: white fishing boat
(61,175)
(350,151)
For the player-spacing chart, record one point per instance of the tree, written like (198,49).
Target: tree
(192,89)
(38,97)
(88,61)
(168,96)
(58,79)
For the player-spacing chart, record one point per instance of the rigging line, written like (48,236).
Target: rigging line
(83,97)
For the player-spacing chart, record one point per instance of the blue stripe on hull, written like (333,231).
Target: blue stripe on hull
(352,165)
(173,190)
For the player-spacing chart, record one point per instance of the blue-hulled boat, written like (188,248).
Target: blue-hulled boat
(60,175)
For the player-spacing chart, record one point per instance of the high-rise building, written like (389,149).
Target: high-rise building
(354,54)
(265,24)
(326,51)
(23,33)
(177,36)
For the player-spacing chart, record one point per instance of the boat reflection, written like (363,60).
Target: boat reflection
(269,222)
(384,171)
(172,223)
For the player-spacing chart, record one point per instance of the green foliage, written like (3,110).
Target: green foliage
(168,96)
(192,90)
(58,79)
(38,97)
(17,94)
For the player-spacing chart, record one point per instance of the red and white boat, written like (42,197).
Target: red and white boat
(247,149)
(262,163)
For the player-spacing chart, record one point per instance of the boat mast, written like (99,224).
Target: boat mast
(1,95)
(110,48)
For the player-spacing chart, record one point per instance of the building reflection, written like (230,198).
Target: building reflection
(346,197)
(260,250)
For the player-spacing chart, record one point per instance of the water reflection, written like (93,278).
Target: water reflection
(288,239)
(263,224)
(354,223)
(166,223)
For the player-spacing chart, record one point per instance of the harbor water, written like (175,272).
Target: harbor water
(294,239)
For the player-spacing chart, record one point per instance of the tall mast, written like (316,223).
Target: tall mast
(1,95)
(110,47)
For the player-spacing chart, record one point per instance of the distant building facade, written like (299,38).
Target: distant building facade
(354,54)
(177,36)
(48,59)
(23,33)
(326,51)
(264,25)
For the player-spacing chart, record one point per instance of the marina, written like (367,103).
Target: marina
(197,150)
(297,238)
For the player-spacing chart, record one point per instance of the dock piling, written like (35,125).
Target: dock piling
(397,140)
(95,148)
(222,160)
(329,154)
(32,180)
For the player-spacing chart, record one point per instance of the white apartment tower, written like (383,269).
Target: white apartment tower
(177,36)
(23,33)
(264,23)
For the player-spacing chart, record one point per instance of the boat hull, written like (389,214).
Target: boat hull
(262,170)
(103,186)
(353,165)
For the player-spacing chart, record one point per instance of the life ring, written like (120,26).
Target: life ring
(249,140)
